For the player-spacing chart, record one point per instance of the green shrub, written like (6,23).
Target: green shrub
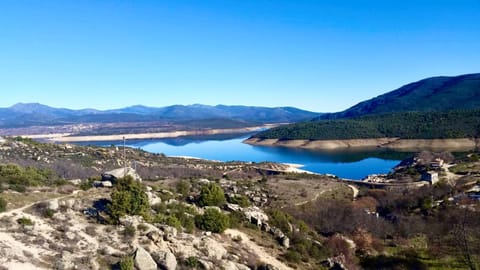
(129,231)
(49,213)
(212,220)
(86,185)
(280,220)
(212,195)
(236,219)
(240,200)
(3,205)
(192,262)
(128,198)
(189,224)
(142,227)
(18,178)
(173,222)
(183,187)
(293,256)
(126,263)
(18,188)
(25,221)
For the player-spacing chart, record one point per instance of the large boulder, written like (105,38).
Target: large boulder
(53,205)
(255,215)
(165,260)
(120,173)
(213,249)
(153,198)
(143,260)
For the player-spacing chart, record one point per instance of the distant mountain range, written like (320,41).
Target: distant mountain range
(432,94)
(31,114)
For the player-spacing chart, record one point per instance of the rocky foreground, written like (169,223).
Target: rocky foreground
(71,238)
(68,226)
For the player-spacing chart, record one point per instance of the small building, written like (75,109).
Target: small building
(431,177)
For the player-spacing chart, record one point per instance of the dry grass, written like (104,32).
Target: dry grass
(300,191)
(16,200)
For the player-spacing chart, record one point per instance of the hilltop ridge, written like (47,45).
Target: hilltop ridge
(441,93)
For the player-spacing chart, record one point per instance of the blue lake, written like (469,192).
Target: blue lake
(345,164)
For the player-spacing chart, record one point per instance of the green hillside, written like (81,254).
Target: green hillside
(432,94)
(407,125)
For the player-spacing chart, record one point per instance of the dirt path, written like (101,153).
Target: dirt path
(21,209)
(256,249)
(355,191)
(313,199)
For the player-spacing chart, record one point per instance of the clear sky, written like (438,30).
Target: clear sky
(321,55)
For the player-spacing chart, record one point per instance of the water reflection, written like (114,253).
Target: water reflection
(346,163)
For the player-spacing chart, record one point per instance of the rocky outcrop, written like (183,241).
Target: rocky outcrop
(120,173)
(143,260)
(53,205)
(213,249)
(257,217)
(165,260)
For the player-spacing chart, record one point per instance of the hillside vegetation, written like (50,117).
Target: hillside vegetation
(431,94)
(409,125)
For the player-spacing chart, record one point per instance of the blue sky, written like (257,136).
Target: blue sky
(321,55)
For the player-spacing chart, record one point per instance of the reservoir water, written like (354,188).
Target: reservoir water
(345,164)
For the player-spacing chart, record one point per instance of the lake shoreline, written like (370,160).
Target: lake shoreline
(397,144)
(67,137)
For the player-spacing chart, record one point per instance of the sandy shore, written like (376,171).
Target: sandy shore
(67,137)
(397,144)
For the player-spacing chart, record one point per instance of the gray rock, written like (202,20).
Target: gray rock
(228,265)
(154,236)
(255,215)
(213,249)
(165,260)
(69,203)
(242,267)
(153,198)
(75,182)
(169,233)
(203,181)
(286,242)
(53,205)
(266,227)
(206,264)
(143,260)
(107,184)
(120,173)
(233,207)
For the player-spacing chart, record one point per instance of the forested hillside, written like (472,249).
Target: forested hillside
(409,125)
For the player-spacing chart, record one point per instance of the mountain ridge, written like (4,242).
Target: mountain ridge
(440,93)
(29,114)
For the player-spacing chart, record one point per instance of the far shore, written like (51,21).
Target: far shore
(397,144)
(68,137)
